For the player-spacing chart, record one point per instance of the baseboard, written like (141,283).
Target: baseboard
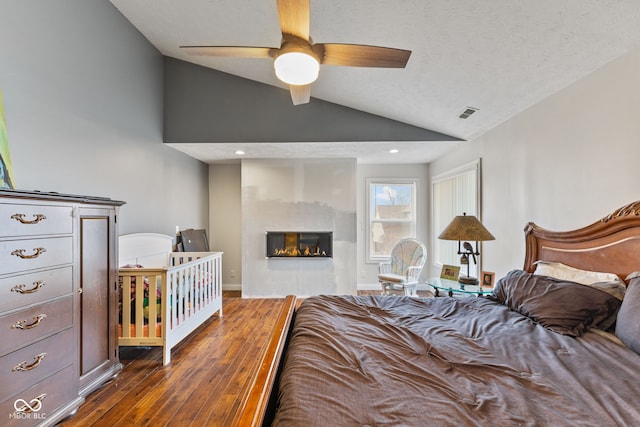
(368,287)
(232,287)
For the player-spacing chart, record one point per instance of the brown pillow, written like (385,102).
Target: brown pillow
(628,323)
(565,307)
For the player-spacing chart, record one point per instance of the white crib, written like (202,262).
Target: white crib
(187,288)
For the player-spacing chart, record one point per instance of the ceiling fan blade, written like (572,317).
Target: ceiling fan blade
(294,17)
(300,94)
(230,51)
(357,55)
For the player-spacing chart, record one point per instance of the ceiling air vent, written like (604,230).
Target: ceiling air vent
(467,112)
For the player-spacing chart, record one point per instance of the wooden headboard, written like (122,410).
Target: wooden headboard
(611,244)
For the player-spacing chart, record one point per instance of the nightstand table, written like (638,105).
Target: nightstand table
(451,287)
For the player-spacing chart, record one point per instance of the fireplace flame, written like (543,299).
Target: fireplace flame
(295,252)
(299,244)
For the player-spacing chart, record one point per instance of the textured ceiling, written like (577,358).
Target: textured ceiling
(499,56)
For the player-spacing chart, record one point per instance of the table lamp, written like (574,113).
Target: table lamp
(466,228)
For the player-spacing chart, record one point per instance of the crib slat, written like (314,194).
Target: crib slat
(126,306)
(153,311)
(139,305)
(191,296)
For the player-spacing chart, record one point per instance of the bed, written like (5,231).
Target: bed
(546,349)
(164,295)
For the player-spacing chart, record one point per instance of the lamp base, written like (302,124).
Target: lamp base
(468,280)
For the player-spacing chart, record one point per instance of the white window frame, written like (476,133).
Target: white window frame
(443,211)
(415,182)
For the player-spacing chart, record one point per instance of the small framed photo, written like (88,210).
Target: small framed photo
(450,272)
(488,278)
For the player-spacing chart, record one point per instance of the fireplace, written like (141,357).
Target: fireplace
(299,244)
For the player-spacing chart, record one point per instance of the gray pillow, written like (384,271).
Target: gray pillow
(628,323)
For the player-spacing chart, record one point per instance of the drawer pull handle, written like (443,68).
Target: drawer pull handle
(20,218)
(36,254)
(36,321)
(21,290)
(24,367)
(28,407)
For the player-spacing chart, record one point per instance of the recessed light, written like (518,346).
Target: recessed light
(239,152)
(393,151)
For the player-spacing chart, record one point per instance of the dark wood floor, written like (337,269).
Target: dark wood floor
(203,383)
(200,387)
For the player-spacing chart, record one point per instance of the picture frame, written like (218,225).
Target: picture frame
(450,272)
(488,278)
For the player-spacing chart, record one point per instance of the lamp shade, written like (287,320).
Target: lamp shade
(466,227)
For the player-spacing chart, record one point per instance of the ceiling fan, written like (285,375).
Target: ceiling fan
(297,60)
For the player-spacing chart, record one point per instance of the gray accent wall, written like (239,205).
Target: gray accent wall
(208,106)
(83,100)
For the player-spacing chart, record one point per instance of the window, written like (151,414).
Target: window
(391,215)
(454,193)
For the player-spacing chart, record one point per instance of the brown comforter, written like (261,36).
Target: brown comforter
(400,361)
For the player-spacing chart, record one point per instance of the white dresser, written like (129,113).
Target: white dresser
(58,324)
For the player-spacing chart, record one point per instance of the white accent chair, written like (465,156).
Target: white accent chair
(400,275)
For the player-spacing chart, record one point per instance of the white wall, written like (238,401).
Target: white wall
(564,163)
(298,195)
(83,102)
(368,272)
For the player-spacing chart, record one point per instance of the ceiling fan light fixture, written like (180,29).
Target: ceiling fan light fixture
(296,68)
(297,61)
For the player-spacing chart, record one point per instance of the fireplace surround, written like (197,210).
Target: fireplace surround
(299,244)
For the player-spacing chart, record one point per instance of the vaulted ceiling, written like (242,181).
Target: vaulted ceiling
(498,57)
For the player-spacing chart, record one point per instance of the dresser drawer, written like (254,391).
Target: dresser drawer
(27,289)
(27,326)
(31,220)
(24,255)
(25,367)
(52,392)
